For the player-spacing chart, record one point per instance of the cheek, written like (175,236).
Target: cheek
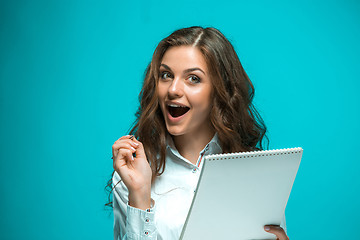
(161,94)
(161,90)
(202,99)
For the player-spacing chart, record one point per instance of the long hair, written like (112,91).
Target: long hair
(233,116)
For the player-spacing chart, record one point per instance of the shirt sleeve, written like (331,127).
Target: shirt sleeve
(131,223)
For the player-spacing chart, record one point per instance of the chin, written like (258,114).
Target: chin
(174,131)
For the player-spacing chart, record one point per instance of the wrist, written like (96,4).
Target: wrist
(140,199)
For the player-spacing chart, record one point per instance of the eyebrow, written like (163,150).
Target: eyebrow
(186,70)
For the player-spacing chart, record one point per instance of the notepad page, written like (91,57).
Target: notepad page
(239,193)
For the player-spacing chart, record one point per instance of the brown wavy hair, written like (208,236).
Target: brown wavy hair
(239,126)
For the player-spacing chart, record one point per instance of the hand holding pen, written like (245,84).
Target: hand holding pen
(130,162)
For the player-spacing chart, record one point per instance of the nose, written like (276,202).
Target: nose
(176,89)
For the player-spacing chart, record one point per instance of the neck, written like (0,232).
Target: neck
(190,145)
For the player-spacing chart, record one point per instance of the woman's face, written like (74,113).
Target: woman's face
(184,91)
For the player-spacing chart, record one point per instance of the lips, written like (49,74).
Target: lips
(176,110)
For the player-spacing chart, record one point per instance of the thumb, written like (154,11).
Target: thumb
(277,230)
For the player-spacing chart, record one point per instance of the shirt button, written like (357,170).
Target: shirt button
(147,220)
(146,233)
(194,170)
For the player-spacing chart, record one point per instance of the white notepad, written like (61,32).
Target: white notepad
(239,193)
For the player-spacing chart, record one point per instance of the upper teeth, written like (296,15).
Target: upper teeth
(174,105)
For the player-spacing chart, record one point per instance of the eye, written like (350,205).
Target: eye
(194,79)
(165,75)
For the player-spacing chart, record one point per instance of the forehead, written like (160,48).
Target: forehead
(184,57)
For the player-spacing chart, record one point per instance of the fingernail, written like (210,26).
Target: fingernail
(134,144)
(132,157)
(133,149)
(267,228)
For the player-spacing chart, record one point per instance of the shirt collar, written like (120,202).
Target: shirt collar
(213,147)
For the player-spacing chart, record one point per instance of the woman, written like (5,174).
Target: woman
(196,100)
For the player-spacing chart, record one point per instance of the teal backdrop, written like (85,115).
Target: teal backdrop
(71,71)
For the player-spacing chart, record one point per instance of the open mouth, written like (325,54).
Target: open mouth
(177,110)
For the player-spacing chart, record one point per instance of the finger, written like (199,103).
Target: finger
(127,154)
(125,136)
(129,139)
(123,158)
(133,142)
(140,152)
(126,139)
(277,230)
(121,139)
(125,143)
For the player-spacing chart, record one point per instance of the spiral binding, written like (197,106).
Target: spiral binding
(263,153)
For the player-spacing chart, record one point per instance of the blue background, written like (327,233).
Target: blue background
(71,72)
